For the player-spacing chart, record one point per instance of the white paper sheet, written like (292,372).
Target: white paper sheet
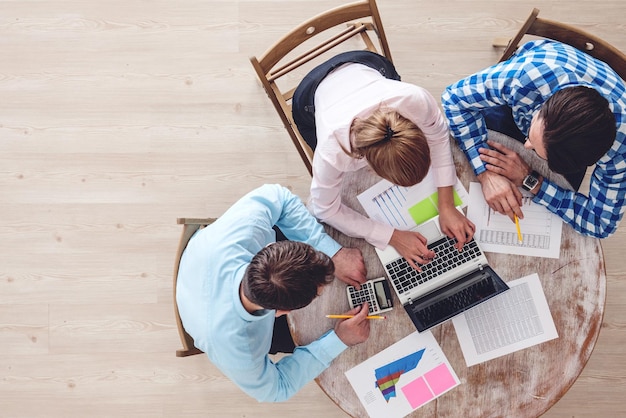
(405,207)
(516,319)
(403,377)
(541,229)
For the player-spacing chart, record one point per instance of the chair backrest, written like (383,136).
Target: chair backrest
(570,35)
(354,20)
(190,226)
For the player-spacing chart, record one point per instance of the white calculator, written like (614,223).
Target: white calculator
(376,292)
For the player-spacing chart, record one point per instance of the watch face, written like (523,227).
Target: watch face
(530,182)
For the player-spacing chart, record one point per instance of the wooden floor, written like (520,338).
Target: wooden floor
(117,117)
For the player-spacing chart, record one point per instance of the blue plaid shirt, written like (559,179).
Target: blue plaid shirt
(524,83)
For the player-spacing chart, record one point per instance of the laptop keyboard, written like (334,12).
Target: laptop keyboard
(405,277)
(451,305)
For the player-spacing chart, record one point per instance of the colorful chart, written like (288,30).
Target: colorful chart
(388,375)
(403,377)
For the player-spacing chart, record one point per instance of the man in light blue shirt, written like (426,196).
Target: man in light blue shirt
(234,279)
(568,107)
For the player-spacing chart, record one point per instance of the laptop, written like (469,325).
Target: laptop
(450,284)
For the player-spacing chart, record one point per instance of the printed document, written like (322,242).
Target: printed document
(516,319)
(403,377)
(540,228)
(406,207)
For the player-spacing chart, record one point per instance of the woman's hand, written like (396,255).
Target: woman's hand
(412,246)
(451,221)
(456,225)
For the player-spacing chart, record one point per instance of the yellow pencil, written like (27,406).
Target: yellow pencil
(352,316)
(519,232)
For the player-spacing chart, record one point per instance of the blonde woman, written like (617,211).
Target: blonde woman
(354,111)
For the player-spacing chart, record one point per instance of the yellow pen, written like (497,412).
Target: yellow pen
(519,232)
(352,316)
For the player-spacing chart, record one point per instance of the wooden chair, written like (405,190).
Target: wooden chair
(190,226)
(570,35)
(327,31)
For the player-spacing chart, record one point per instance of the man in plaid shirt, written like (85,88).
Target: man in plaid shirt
(566,106)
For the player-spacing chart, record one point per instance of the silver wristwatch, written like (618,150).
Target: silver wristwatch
(530,181)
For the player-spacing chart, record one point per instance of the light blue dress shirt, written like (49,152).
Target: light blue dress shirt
(210,272)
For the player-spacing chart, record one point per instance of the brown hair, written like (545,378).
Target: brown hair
(395,147)
(579,128)
(286,275)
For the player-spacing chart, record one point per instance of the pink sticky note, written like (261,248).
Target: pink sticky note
(417,392)
(440,379)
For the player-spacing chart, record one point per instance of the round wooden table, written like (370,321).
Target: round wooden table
(522,384)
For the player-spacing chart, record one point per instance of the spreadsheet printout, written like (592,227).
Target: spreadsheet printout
(541,229)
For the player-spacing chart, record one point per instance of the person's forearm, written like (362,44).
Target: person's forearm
(445,197)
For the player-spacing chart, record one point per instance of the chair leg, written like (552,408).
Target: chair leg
(500,42)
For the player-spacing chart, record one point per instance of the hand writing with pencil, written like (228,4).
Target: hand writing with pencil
(355,330)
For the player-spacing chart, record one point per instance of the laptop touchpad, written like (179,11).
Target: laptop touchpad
(430,230)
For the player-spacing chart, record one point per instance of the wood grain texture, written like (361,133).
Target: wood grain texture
(118,117)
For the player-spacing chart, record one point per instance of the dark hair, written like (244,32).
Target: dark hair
(286,275)
(579,128)
(393,145)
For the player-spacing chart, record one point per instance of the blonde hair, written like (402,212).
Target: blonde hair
(395,147)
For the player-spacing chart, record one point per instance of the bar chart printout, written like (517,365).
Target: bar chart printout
(405,207)
(541,229)
(403,377)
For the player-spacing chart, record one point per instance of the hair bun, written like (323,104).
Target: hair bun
(389,134)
